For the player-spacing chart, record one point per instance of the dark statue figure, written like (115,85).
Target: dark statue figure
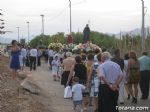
(86,34)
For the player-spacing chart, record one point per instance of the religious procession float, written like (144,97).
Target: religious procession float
(89,46)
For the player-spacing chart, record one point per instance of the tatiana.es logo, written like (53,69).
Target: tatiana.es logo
(132,108)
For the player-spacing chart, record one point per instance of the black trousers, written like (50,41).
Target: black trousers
(32,63)
(107,99)
(144,83)
(50,62)
(24,61)
(39,61)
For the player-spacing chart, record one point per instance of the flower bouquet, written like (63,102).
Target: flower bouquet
(56,46)
(89,46)
(69,46)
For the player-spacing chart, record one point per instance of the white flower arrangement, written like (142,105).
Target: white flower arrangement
(87,47)
(69,46)
(56,45)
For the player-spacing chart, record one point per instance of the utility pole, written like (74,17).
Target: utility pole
(70,17)
(42,24)
(143,27)
(18,33)
(28,30)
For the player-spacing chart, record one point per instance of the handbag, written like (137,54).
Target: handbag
(67,92)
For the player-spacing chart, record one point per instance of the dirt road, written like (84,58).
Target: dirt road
(43,78)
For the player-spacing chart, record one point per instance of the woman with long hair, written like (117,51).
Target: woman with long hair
(14,62)
(133,76)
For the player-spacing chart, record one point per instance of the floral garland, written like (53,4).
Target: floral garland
(87,47)
(69,46)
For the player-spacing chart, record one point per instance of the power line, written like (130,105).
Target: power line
(59,14)
(63,10)
(78,3)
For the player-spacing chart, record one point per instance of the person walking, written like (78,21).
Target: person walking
(33,58)
(133,75)
(144,61)
(39,55)
(94,84)
(77,96)
(67,64)
(78,70)
(24,55)
(50,55)
(120,62)
(55,66)
(14,59)
(126,57)
(110,75)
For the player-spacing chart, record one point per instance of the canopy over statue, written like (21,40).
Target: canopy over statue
(86,34)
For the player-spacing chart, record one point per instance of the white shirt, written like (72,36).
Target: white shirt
(21,60)
(77,92)
(110,70)
(50,53)
(33,52)
(24,52)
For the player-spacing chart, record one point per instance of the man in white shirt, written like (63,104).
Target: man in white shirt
(33,56)
(110,75)
(51,55)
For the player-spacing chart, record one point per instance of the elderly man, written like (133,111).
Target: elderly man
(110,75)
(145,75)
(67,64)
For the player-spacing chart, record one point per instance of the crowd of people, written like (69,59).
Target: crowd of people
(96,78)
(99,79)
(21,56)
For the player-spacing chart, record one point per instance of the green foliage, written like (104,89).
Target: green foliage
(102,39)
(40,40)
(78,37)
(96,38)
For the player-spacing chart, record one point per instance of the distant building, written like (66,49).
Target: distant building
(22,41)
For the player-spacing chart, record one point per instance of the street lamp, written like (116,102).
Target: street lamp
(42,24)
(70,17)
(143,27)
(28,30)
(18,33)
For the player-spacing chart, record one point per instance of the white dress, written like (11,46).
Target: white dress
(95,81)
(21,60)
(55,67)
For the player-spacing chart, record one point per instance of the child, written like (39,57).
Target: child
(55,66)
(77,90)
(60,69)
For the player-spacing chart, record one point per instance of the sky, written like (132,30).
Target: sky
(107,16)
